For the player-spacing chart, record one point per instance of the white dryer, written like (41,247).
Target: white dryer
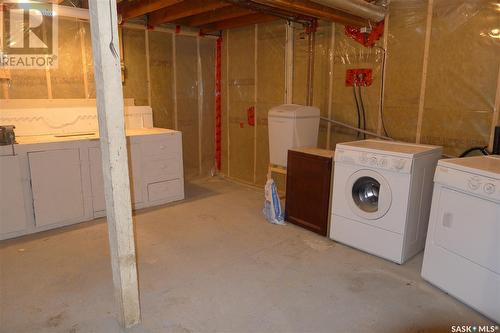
(382,196)
(462,252)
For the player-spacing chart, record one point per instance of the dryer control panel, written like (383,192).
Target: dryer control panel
(374,161)
(482,186)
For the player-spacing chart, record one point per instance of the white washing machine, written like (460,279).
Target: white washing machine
(462,252)
(382,196)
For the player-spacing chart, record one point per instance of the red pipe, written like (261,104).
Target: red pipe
(218,105)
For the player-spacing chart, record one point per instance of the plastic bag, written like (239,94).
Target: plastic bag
(272,205)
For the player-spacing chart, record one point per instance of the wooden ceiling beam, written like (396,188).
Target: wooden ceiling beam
(284,14)
(316,10)
(237,22)
(222,14)
(185,9)
(130,9)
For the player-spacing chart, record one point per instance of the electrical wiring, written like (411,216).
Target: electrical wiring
(483,151)
(357,107)
(363,112)
(341,124)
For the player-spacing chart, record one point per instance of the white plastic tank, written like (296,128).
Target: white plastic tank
(291,126)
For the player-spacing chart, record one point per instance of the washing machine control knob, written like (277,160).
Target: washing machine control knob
(489,188)
(373,161)
(474,183)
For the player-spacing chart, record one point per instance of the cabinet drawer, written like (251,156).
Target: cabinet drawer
(162,169)
(165,190)
(161,147)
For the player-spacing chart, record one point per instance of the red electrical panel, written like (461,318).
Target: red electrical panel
(366,36)
(361,77)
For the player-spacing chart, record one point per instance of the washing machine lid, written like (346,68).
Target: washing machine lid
(488,166)
(391,148)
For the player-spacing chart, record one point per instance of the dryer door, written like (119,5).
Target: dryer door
(369,194)
(468,227)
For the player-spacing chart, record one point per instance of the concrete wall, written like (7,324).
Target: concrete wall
(455,107)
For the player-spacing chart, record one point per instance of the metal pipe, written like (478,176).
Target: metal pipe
(341,124)
(359,8)
(357,129)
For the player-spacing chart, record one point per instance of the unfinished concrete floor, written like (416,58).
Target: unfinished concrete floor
(212,264)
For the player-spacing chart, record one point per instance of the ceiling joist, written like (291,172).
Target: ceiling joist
(238,22)
(278,12)
(183,10)
(316,10)
(213,15)
(131,9)
(216,16)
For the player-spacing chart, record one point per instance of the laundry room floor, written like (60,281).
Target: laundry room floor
(213,264)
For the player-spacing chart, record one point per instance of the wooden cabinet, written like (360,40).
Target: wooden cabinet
(12,208)
(308,188)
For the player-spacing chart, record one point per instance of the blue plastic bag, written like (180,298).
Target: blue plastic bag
(272,205)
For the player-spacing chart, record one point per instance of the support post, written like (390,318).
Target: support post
(423,83)
(289,49)
(495,121)
(5,88)
(218,104)
(103,23)
(331,62)
(4,82)
(311,33)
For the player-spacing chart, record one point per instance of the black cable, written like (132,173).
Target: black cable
(362,111)
(357,107)
(470,150)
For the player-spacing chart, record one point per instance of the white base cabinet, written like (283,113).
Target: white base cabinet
(97,181)
(12,206)
(57,185)
(52,184)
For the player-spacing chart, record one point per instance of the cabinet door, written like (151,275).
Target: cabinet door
(97,180)
(12,209)
(308,191)
(56,182)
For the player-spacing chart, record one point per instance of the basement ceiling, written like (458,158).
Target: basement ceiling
(211,16)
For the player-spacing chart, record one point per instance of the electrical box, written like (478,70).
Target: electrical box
(361,77)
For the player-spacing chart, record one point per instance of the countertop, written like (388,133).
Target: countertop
(315,151)
(36,139)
